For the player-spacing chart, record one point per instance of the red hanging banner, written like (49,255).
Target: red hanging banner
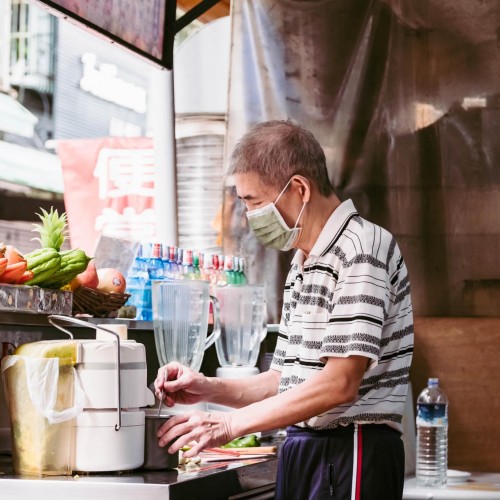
(108,189)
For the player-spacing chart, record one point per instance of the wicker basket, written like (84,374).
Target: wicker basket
(97,303)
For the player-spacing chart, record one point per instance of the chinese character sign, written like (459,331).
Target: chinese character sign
(108,189)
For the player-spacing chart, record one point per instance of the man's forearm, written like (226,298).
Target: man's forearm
(336,384)
(243,392)
(288,408)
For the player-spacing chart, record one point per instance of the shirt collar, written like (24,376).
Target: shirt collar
(333,228)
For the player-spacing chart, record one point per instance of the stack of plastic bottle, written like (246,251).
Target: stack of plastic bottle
(157,262)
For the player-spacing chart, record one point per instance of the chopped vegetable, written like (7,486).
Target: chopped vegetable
(243,442)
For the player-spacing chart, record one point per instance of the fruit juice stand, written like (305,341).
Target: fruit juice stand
(234,479)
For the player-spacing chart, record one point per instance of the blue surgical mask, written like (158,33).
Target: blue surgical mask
(271,229)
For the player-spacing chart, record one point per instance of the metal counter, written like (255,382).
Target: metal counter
(213,480)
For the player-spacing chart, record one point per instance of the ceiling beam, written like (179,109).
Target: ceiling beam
(220,9)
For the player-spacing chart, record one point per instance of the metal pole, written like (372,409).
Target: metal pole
(162,111)
(162,120)
(5,16)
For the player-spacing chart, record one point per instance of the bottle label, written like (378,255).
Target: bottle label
(432,414)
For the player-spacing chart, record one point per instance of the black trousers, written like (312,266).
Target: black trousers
(357,462)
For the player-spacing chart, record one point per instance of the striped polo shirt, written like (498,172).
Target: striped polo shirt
(351,296)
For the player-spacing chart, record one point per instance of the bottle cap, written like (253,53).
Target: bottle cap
(433,382)
(228,263)
(165,252)
(187,257)
(207,261)
(146,249)
(157,251)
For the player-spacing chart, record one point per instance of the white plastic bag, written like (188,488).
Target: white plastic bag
(42,375)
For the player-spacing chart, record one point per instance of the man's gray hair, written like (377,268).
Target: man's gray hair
(278,149)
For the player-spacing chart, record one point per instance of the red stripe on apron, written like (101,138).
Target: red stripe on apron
(359,470)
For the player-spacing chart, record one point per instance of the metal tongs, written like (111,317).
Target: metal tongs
(161,396)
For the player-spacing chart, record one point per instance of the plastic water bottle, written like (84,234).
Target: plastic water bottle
(135,284)
(432,435)
(156,266)
(146,310)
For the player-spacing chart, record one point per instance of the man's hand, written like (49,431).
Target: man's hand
(205,429)
(180,385)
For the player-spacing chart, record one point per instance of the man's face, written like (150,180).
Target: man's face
(256,193)
(253,192)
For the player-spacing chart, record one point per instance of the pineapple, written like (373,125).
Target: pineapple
(53,229)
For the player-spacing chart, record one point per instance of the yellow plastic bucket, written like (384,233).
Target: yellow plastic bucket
(40,393)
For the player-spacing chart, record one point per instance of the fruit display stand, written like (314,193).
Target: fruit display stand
(37,300)
(53,280)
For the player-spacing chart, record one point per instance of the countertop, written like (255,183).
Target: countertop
(213,480)
(240,479)
(480,485)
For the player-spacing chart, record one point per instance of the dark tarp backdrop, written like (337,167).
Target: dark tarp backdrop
(404,96)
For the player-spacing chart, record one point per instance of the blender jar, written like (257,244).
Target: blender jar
(243,318)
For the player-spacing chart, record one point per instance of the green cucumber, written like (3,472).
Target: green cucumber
(73,262)
(40,259)
(44,263)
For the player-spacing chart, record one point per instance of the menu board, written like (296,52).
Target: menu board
(138,25)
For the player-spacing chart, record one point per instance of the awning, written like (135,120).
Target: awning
(30,167)
(15,118)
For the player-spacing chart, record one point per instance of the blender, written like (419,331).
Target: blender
(180,321)
(243,319)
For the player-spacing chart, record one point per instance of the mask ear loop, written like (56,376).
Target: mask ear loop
(282,191)
(303,206)
(300,214)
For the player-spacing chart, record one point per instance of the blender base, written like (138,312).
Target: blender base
(232,372)
(236,371)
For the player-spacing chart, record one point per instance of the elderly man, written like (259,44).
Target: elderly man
(339,375)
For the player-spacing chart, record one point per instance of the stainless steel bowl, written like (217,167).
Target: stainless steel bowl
(156,458)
